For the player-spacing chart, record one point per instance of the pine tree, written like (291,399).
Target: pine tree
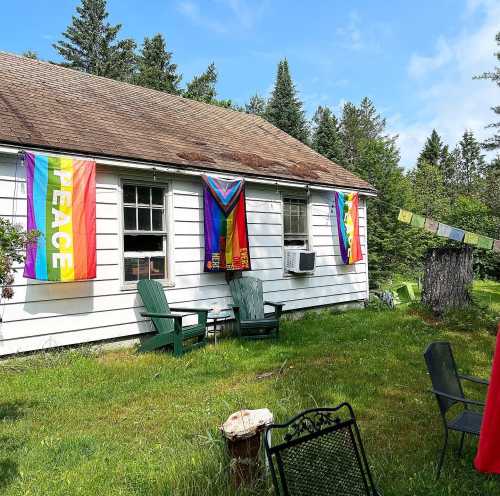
(256,105)
(284,109)
(326,137)
(90,44)
(202,87)
(432,152)
(493,143)
(30,54)
(470,166)
(155,69)
(357,125)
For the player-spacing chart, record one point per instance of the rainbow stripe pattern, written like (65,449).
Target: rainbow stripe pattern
(225,222)
(61,207)
(347,209)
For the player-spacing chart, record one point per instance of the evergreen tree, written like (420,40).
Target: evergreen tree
(470,166)
(90,43)
(256,105)
(357,125)
(326,137)
(393,247)
(30,54)
(431,194)
(202,87)
(155,69)
(432,152)
(284,109)
(493,143)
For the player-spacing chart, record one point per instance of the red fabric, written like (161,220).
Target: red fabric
(488,451)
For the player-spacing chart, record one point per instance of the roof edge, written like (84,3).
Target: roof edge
(13,147)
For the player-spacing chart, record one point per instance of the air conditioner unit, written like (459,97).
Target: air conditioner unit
(300,261)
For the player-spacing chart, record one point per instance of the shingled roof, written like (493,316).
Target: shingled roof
(46,106)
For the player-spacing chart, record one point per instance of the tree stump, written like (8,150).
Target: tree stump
(448,277)
(242,431)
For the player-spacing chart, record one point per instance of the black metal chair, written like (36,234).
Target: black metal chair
(319,452)
(447,387)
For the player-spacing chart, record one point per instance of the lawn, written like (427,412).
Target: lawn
(116,423)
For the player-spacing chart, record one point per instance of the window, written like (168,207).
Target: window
(145,232)
(295,222)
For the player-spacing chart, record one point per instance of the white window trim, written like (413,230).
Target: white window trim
(168,233)
(299,196)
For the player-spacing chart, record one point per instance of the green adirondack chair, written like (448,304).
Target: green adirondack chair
(248,308)
(169,327)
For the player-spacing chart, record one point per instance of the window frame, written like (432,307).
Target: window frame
(306,197)
(166,233)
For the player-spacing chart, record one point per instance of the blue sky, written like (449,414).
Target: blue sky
(415,60)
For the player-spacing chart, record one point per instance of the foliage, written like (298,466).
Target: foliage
(493,143)
(326,138)
(30,54)
(90,44)
(13,242)
(256,105)
(103,424)
(357,124)
(155,69)
(470,165)
(202,87)
(432,152)
(392,245)
(284,109)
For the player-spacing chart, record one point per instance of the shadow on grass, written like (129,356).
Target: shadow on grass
(9,471)
(13,410)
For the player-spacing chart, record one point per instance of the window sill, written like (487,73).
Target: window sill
(132,286)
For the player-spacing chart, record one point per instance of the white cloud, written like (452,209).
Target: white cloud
(449,99)
(238,14)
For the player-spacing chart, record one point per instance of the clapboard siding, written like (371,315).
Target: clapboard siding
(49,314)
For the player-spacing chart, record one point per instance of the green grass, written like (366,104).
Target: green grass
(117,423)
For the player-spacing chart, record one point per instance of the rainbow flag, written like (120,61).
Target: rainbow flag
(346,205)
(61,207)
(225,222)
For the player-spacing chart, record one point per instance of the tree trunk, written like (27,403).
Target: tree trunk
(447,278)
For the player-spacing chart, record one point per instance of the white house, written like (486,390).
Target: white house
(150,143)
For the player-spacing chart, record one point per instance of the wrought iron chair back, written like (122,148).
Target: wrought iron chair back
(319,452)
(443,373)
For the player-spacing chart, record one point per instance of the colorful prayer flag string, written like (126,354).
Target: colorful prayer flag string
(450,232)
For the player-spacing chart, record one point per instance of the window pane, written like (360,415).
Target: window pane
(302,224)
(143,242)
(144,218)
(128,194)
(295,224)
(157,219)
(129,218)
(131,269)
(143,272)
(143,195)
(157,267)
(287,225)
(157,196)
(286,207)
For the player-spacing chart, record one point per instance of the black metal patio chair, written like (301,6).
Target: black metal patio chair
(447,387)
(319,452)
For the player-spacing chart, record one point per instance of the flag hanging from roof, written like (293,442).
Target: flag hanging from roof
(226,235)
(346,206)
(61,207)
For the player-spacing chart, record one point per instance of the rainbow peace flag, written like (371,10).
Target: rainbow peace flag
(346,205)
(61,207)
